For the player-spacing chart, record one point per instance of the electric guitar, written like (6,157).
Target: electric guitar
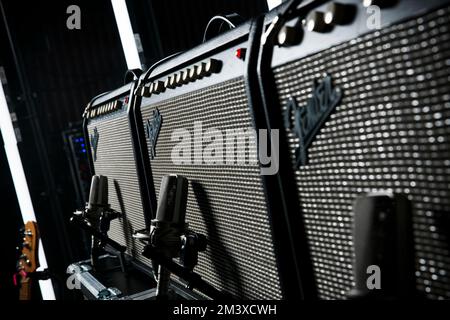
(28,260)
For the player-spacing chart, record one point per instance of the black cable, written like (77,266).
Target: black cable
(131,75)
(135,74)
(224,19)
(149,71)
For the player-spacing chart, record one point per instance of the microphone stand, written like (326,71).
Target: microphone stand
(97,217)
(169,237)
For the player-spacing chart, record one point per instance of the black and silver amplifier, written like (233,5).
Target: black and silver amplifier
(360,91)
(109,130)
(350,102)
(195,119)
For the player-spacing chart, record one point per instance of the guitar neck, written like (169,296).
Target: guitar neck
(25,289)
(28,261)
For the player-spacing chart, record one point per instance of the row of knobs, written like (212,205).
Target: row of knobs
(318,21)
(190,74)
(104,109)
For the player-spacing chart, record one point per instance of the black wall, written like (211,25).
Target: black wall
(170,26)
(11,222)
(51,78)
(53,73)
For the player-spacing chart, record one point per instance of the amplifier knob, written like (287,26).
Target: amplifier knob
(167,83)
(179,78)
(193,73)
(172,81)
(145,91)
(186,77)
(315,22)
(338,13)
(158,87)
(289,36)
(379,3)
(213,66)
(201,70)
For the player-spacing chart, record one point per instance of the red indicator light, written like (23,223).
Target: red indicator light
(240,53)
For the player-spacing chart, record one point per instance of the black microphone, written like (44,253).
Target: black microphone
(169,225)
(96,218)
(98,194)
(172,200)
(98,214)
(98,201)
(384,249)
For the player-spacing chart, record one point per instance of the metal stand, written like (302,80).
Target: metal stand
(98,216)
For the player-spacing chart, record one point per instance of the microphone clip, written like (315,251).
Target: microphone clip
(98,215)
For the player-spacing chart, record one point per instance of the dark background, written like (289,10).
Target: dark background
(52,74)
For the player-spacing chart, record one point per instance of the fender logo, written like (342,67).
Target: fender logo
(152,128)
(94,142)
(308,120)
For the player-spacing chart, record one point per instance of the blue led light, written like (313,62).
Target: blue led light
(84,150)
(82,145)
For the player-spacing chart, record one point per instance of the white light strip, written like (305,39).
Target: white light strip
(20,184)
(273,3)
(126,34)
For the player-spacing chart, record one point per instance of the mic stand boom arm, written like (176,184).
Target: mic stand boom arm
(193,279)
(100,238)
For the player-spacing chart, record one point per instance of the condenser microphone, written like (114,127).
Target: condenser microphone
(172,200)
(98,194)
(384,249)
(169,224)
(98,213)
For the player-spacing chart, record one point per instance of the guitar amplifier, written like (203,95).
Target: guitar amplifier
(109,132)
(188,106)
(361,94)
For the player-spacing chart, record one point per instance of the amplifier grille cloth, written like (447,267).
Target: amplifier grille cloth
(225,202)
(390,132)
(115,160)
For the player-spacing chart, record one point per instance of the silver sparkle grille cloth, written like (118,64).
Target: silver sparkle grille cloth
(390,132)
(115,160)
(225,202)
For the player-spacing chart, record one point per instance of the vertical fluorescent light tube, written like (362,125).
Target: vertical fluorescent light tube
(126,34)
(273,3)
(21,186)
